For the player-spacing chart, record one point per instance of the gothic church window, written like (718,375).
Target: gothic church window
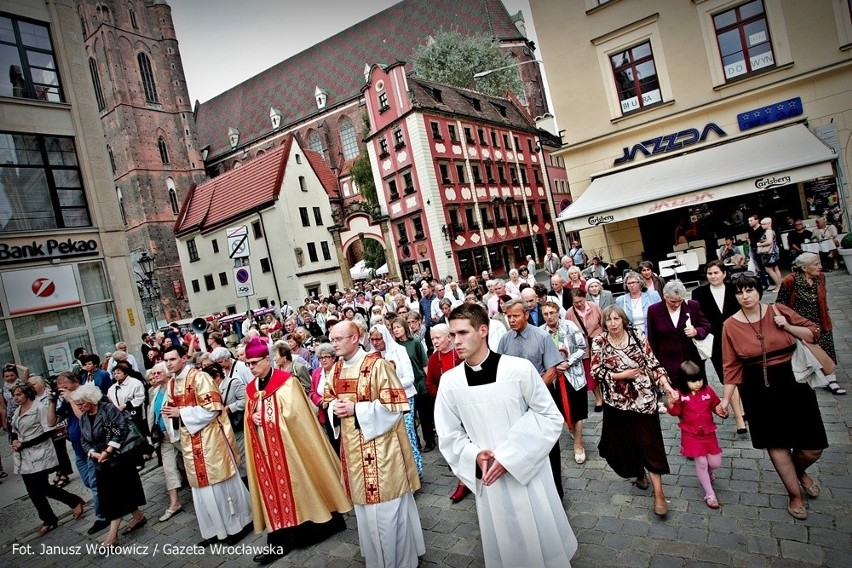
(147,75)
(164,152)
(96,82)
(348,139)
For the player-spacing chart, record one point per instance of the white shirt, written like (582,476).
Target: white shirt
(718,293)
(130,391)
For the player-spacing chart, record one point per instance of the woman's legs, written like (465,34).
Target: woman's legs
(37,485)
(577,432)
(112,534)
(782,460)
(661,507)
(802,460)
(774,274)
(737,405)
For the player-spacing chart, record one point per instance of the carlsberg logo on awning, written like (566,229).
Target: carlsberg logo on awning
(770,182)
(596,220)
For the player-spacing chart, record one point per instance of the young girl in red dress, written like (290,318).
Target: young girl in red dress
(695,407)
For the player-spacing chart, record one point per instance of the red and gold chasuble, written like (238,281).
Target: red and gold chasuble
(211,454)
(292,471)
(381,469)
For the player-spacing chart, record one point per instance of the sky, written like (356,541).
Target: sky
(224,42)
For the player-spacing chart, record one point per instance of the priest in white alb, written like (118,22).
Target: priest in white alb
(496,424)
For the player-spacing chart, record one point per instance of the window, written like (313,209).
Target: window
(436,94)
(513,173)
(196,287)
(522,212)
(524,176)
(743,37)
(455,222)
(517,144)
(537,176)
(501,173)
(215,244)
(417,223)
(477,177)
(121,206)
(498,215)
(96,82)
(529,145)
(42,186)
(315,142)
(383,102)
(402,230)
(510,214)
(445,173)
(111,159)
(470,217)
(298,158)
(312,252)
(468,135)
(265,266)
(148,86)
(486,218)
(192,250)
(256,229)
(452,130)
(383,147)
(482,139)
(409,183)
(348,139)
(500,108)
(436,131)
(303,213)
(223,279)
(164,152)
(494,139)
(173,200)
(318,216)
(392,190)
(460,173)
(398,138)
(636,77)
(303,185)
(506,142)
(326,253)
(27,53)
(209,284)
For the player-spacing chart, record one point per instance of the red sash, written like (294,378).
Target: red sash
(563,388)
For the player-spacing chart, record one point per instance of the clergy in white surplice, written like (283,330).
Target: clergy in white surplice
(496,425)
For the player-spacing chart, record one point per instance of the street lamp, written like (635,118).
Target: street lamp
(487,72)
(149,291)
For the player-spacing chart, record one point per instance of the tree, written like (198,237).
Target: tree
(454,59)
(362,175)
(374,254)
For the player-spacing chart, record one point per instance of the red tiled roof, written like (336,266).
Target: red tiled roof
(324,173)
(337,64)
(235,192)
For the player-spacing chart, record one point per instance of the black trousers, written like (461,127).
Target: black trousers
(39,488)
(61,447)
(424,404)
(556,453)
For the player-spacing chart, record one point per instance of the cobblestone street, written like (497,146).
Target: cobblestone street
(613,520)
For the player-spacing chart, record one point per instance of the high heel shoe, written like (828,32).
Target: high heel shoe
(460,493)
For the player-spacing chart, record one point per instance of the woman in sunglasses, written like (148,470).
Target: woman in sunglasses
(783,415)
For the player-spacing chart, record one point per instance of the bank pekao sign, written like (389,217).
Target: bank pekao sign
(46,249)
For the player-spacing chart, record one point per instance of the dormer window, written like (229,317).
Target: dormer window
(473,102)
(233,137)
(321,96)
(436,94)
(383,102)
(500,108)
(275,117)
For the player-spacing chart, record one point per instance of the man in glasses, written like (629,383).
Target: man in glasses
(366,403)
(293,474)
(194,407)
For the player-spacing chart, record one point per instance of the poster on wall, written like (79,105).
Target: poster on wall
(40,289)
(58,357)
(823,200)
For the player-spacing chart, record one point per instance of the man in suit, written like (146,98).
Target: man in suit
(534,315)
(558,292)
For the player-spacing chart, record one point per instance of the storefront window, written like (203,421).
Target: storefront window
(744,42)
(47,323)
(103,327)
(93,282)
(636,78)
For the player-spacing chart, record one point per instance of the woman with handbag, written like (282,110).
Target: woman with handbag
(128,394)
(769,251)
(59,432)
(35,457)
(629,374)
(106,437)
(804,291)
(783,415)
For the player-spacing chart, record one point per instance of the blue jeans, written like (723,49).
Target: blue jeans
(86,469)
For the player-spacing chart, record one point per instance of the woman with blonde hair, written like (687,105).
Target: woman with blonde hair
(767,248)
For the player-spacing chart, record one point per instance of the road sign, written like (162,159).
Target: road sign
(238,245)
(243,282)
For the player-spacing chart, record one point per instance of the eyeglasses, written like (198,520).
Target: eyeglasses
(255,362)
(321,357)
(339,339)
(740,275)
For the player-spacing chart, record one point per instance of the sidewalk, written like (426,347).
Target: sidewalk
(613,520)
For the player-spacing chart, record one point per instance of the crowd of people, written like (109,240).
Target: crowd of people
(285,422)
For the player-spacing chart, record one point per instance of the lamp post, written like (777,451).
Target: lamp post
(487,72)
(149,291)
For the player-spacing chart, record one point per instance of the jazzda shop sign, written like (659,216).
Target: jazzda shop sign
(14,252)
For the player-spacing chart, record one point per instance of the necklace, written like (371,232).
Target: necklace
(759,333)
(620,342)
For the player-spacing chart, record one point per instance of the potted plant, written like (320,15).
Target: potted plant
(845,251)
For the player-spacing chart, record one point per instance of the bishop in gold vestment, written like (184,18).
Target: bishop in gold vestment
(210,454)
(378,464)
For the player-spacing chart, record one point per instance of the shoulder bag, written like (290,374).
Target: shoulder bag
(704,346)
(807,367)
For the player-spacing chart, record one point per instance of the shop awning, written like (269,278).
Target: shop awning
(773,159)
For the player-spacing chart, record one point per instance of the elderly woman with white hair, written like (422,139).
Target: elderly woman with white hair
(327,357)
(233,391)
(596,294)
(805,292)
(513,285)
(103,432)
(163,433)
(637,300)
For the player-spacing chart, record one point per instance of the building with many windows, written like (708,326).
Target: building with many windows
(463,177)
(65,272)
(260,233)
(686,117)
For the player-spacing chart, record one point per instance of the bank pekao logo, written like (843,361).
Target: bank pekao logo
(770,182)
(596,220)
(43,287)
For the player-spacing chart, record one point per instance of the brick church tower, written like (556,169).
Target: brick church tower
(150,133)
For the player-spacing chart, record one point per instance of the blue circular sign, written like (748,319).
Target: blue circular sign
(242,276)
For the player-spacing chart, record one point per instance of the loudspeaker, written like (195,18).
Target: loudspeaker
(199,325)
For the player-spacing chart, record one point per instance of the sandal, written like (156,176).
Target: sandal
(641,483)
(61,481)
(811,490)
(711,501)
(580,457)
(834,388)
(3,474)
(44,529)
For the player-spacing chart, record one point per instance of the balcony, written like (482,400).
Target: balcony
(409,189)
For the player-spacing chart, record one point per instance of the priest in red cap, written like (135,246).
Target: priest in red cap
(293,475)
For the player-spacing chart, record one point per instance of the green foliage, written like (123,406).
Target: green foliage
(374,254)
(846,241)
(362,175)
(454,59)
